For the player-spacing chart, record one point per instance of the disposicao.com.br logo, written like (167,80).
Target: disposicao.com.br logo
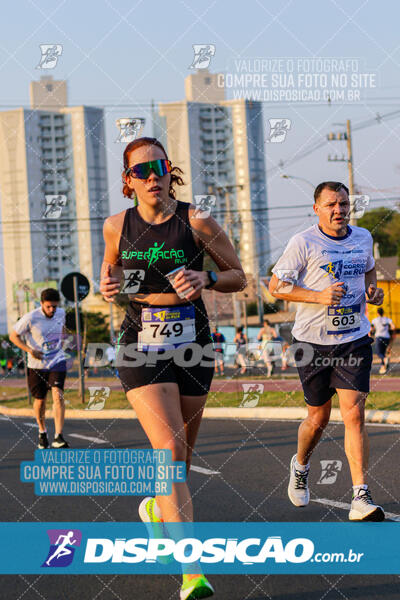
(217,547)
(248,551)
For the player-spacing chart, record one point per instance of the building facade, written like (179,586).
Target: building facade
(54,190)
(219,145)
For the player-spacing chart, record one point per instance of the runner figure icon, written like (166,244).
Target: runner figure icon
(133,279)
(62,549)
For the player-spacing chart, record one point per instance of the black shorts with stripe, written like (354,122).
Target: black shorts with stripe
(41,380)
(190,366)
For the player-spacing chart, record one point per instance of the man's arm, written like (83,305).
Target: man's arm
(393,330)
(375,294)
(17,341)
(331,295)
(286,273)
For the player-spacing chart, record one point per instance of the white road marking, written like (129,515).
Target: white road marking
(32,425)
(204,471)
(335,504)
(90,439)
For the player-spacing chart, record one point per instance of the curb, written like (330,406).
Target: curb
(262,413)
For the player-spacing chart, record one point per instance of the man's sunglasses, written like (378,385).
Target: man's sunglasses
(161,167)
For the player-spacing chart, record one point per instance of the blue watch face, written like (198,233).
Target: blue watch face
(212,277)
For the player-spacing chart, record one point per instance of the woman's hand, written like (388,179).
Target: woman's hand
(190,279)
(109,286)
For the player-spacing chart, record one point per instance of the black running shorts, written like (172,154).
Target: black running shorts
(190,365)
(41,380)
(340,366)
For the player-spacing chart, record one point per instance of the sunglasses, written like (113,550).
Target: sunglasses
(161,167)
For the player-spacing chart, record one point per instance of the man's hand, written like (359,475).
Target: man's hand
(375,295)
(109,286)
(332,294)
(36,354)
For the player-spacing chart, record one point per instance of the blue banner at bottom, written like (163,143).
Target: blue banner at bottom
(240,548)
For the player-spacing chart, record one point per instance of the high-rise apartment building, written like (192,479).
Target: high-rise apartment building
(219,144)
(54,190)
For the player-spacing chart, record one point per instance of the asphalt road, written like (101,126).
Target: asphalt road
(251,458)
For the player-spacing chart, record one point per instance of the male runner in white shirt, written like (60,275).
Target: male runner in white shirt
(43,330)
(385,332)
(329,270)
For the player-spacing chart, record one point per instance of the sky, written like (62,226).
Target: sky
(124,55)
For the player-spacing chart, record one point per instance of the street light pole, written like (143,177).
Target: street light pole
(285,176)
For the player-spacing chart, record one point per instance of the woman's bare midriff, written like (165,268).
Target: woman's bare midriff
(158,299)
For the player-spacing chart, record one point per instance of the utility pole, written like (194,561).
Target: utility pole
(260,302)
(353,220)
(346,135)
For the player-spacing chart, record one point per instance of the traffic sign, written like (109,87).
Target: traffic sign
(67,286)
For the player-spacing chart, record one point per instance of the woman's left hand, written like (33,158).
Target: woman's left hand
(187,279)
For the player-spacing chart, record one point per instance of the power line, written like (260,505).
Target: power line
(318,144)
(213,212)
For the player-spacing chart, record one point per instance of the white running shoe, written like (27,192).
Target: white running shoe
(364,509)
(382,370)
(298,491)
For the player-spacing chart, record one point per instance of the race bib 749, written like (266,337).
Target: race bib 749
(166,327)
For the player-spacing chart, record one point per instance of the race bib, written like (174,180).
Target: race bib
(50,347)
(342,319)
(166,327)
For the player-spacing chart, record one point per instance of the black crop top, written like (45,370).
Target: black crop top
(148,252)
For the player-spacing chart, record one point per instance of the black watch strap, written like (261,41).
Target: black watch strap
(212,276)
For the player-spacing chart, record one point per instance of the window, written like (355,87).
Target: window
(207,80)
(49,87)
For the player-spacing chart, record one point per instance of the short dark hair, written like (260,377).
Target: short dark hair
(50,295)
(334,186)
(380,311)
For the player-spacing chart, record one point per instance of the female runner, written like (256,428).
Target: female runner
(266,335)
(142,245)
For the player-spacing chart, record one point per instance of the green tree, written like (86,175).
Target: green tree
(394,232)
(95,324)
(382,224)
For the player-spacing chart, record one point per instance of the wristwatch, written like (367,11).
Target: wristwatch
(212,277)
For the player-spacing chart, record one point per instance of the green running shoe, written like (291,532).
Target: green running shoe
(196,587)
(154,525)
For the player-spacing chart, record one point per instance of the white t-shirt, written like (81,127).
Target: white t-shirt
(44,334)
(314,260)
(382,326)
